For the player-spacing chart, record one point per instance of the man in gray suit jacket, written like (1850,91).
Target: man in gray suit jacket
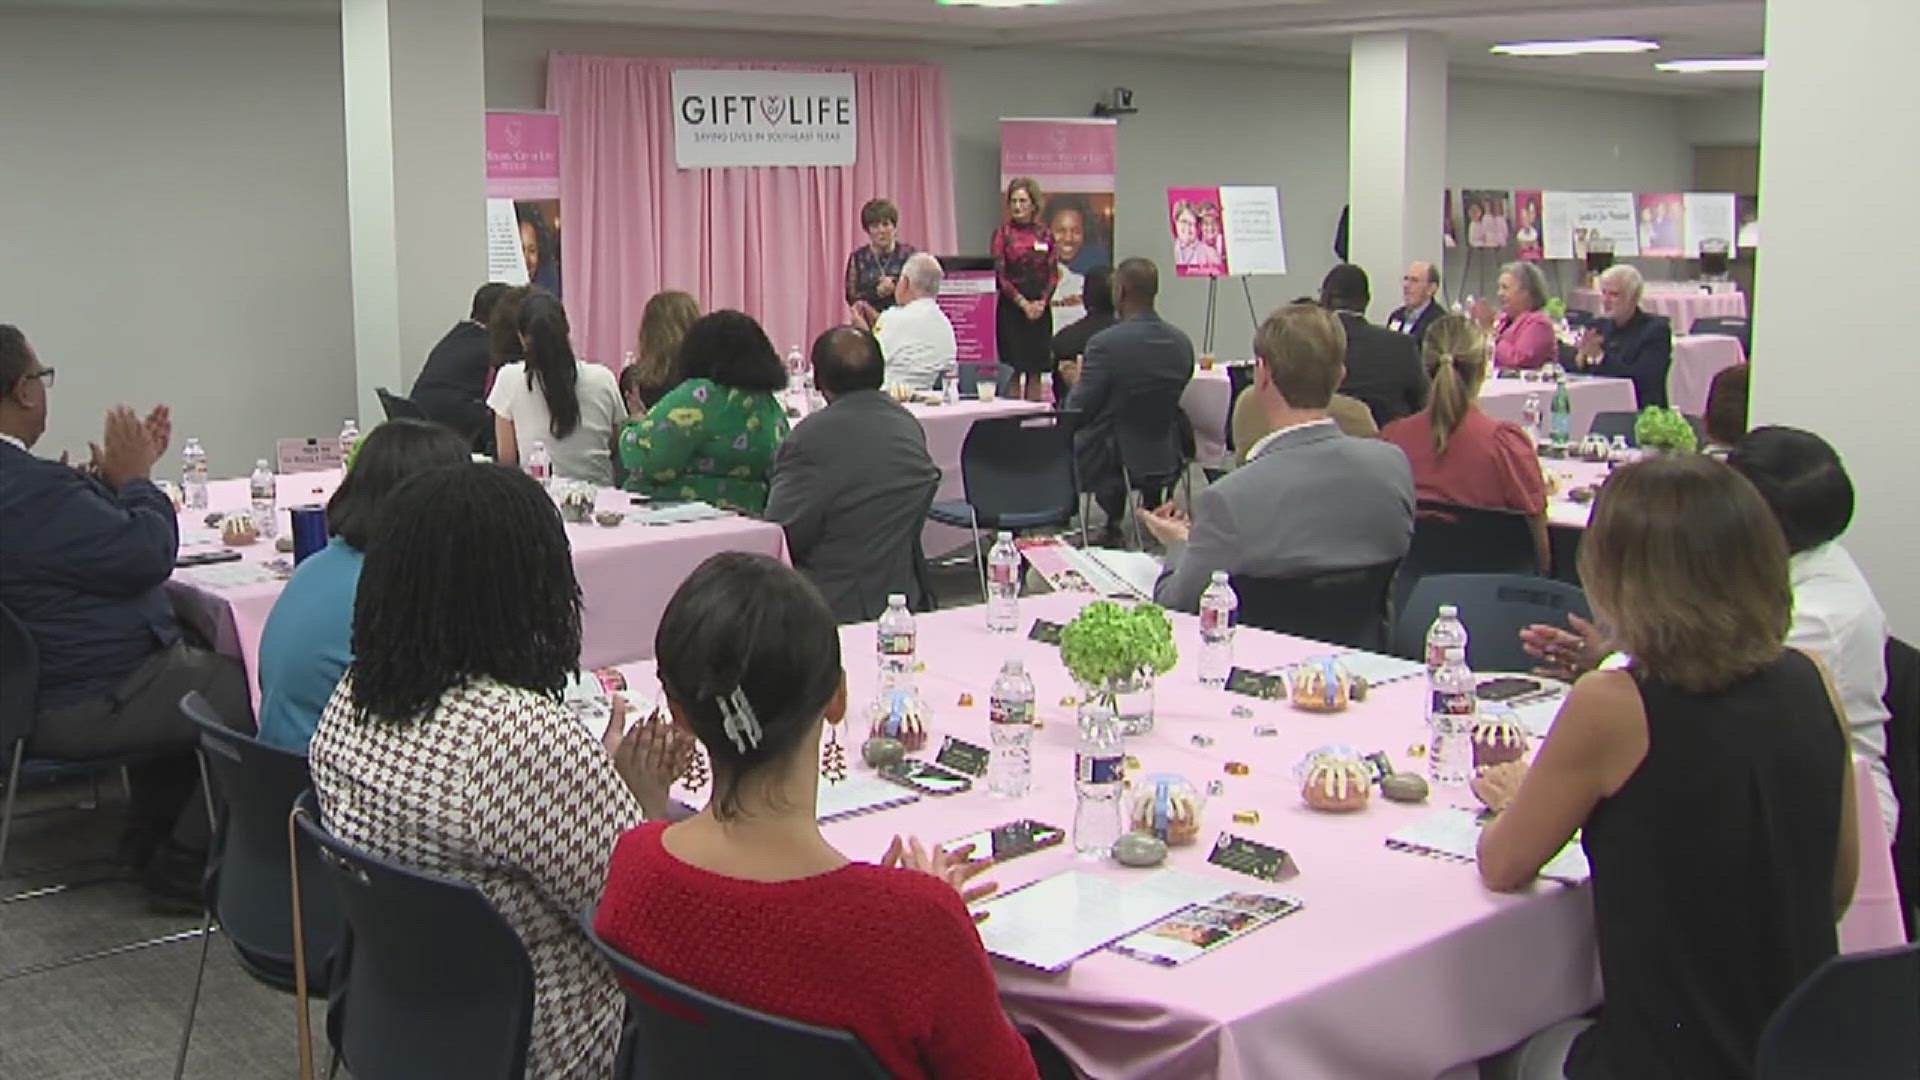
(852,483)
(1141,356)
(1309,499)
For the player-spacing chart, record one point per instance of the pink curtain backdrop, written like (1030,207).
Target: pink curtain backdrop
(772,242)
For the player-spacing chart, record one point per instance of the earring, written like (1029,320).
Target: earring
(696,774)
(833,756)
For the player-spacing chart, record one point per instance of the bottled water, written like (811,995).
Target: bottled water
(1003,586)
(1534,419)
(950,385)
(896,645)
(1218,606)
(349,438)
(1099,772)
(540,463)
(1010,708)
(193,475)
(1447,632)
(796,361)
(266,508)
(1560,425)
(1450,720)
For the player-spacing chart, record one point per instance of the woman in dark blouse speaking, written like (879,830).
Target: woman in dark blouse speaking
(1028,267)
(874,267)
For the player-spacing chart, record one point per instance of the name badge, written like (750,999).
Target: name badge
(1040,245)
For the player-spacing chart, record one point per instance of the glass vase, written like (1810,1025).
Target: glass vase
(1130,698)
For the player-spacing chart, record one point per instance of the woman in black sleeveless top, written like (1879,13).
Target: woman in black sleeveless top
(1709,776)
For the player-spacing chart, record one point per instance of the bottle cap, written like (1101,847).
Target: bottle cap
(1448,611)
(1219,577)
(896,599)
(1005,535)
(260,464)
(1014,666)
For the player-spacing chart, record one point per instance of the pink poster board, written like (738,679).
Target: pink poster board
(523,166)
(1526,226)
(1660,220)
(968,297)
(1195,222)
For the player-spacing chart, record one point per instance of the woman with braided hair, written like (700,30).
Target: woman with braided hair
(1460,454)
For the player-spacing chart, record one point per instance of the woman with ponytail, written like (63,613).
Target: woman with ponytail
(551,397)
(1460,454)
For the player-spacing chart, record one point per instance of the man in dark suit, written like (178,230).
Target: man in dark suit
(1383,367)
(452,388)
(1418,289)
(852,483)
(1628,342)
(1141,364)
(84,559)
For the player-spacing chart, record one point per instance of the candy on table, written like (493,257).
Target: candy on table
(1241,712)
(966,701)
(1238,768)
(1417,750)
(1265,730)
(1246,817)
(1216,787)
(1133,763)
(921,666)
(1069,701)
(1201,740)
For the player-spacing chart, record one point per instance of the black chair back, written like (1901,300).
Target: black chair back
(1495,607)
(1019,471)
(1340,607)
(397,407)
(1610,424)
(1855,1016)
(19,685)
(1580,320)
(254,787)
(1239,378)
(431,980)
(674,1030)
(973,372)
(1732,326)
(1903,764)
(1146,431)
(1453,539)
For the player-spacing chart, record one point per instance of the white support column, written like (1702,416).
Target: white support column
(1834,311)
(1396,157)
(416,180)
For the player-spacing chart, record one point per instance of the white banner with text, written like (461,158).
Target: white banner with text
(734,117)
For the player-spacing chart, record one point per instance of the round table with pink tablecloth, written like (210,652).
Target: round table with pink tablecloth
(1681,304)
(1697,358)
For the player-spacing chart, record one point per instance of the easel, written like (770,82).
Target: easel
(1213,308)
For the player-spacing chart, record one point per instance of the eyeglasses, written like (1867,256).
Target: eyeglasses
(45,373)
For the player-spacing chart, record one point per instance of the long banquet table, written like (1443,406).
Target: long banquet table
(1397,967)
(626,573)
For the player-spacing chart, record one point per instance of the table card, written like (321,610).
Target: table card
(1267,686)
(1047,633)
(962,757)
(1198,929)
(306,455)
(1253,858)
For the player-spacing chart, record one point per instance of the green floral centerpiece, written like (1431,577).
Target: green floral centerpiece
(1115,653)
(1665,430)
(1556,309)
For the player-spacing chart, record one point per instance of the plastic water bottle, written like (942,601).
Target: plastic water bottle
(950,384)
(896,645)
(1218,607)
(1447,632)
(1560,426)
(1099,773)
(1450,721)
(349,438)
(1003,586)
(1534,419)
(265,492)
(1010,708)
(540,463)
(193,475)
(796,360)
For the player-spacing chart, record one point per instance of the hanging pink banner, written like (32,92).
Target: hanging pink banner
(1074,161)
(523,168)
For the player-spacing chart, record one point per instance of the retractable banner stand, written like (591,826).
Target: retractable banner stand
(523,199)
(1074,161)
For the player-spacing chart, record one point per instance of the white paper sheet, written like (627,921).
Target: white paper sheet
(1057,920)
(1256,237)
(1709,216)
(1454,834)
(859,793)
(229,575)
(1137,569)
(1379,669)
(677,514)
(506,259)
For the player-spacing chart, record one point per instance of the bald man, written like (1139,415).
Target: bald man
(1418,289)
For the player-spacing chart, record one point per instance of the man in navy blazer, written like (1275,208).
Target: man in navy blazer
(1419,290)
(83,566)
(1627,342)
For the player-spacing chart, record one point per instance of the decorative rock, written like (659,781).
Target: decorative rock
(1404,787)
(284,545)
(1140,849)
(1246,817)
(214,519)
(1358,691)
(609,518)
(1238,768)
(1581,494)
(882,752)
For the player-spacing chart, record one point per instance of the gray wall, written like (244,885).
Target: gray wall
(178,187)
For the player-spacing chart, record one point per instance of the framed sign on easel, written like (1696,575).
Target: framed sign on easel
(1227,231)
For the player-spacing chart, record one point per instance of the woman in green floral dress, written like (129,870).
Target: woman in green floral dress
(712,438)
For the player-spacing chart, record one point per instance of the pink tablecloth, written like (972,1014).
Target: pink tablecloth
(1681,303)
(1697,358)
(626,573)
(1206,403)
(1506,399)
(1397,967)
(946,427)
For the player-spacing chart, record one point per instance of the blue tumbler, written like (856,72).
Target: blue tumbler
(309,531)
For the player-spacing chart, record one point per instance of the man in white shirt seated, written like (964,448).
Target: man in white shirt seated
(915,337)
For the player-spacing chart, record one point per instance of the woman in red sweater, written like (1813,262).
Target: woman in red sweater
(746,900)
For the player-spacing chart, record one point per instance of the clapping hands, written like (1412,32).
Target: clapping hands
(1169,524)
(129,446)
(955,867)
(648,756)
(1564,655)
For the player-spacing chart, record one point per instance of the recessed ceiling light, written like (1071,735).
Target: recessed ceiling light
(1707,66)
(1590,46)
(996,3)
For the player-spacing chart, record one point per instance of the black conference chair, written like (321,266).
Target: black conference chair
(1495,607)
(1729,325)
(1853,1017)
(1609,424)
(673,1030)
(1239,378)
(972,372)
(429,979)
(251,788)
(397,407)
(1341,607)
(1453,539)
(1903,763)
(1148,437)
(1019,474)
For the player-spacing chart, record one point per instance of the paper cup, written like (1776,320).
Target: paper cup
(985,390)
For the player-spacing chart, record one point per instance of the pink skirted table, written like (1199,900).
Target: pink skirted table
(1697,358)
(626,573)
(946,427)
(1207,401)
(1398,967)
(1506,398)
(1680,302)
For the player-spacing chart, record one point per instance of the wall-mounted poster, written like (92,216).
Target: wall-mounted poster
(1659,222)
(1710,216)
(1526,228)
(1449,230)
(1486,213)
(1074,160)
(1571,218)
